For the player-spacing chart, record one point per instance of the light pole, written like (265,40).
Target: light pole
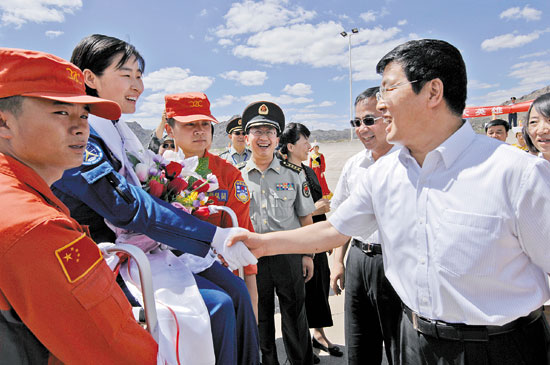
(348,35)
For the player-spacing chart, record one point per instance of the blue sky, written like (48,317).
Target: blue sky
(291,52)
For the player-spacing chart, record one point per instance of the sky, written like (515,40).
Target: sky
(291,52)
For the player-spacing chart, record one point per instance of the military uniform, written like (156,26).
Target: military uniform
(278,197)
(231,155)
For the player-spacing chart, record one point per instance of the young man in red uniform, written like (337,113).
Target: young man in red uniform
(189,123)
(59,301)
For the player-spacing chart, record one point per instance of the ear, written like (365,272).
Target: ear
(90,78)
(169,131)
(435,89)
(5,122)
(290,147)
(246,139)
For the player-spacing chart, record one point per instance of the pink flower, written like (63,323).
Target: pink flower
(177,185)
(156,188)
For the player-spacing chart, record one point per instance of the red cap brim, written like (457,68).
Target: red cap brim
(101,107)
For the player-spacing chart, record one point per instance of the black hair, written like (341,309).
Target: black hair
(12,104)
(291,134)
(541,105)
(369,93)
(96,53)
(429,59)
(494,122)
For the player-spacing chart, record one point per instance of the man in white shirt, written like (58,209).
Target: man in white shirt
(372,307)
(463,220)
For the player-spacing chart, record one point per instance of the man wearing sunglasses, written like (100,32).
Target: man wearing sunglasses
(238,152)
(372,307)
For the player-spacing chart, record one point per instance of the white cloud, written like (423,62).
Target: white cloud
(281,100)
(224,101)
(247,78)
(475,84)
(402,22)
(203,12)
(53,33)
(338,78)
(526,13)
(510,40)
(171,80)
(251,17)
(298,89)
(18,12)
(224,42)
(530,75)
(323,104)
(535,54)
(369,16)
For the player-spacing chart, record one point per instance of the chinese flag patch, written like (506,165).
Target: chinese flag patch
(78,258)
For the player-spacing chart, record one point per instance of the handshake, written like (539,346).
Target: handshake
(236,255)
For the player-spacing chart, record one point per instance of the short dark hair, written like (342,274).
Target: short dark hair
(96,53)
(541,105)
(369,93)
(429,59)
(12,104)
(291,134)
(494,122)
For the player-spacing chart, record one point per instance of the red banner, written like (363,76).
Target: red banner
(487,111)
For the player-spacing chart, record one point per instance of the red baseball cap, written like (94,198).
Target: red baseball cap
(188,107)
(42,75)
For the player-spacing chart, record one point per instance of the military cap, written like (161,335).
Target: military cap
(263,113)
(234,124)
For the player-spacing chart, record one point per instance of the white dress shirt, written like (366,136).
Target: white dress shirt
(466,236)
(350,177)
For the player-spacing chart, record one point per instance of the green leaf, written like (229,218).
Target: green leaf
(202,168)
(133,159)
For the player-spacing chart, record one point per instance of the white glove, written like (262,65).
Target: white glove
(237,255)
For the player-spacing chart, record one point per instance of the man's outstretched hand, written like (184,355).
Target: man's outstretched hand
(237,255)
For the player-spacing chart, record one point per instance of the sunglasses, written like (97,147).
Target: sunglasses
(238,133)
(168,145)
(368,121)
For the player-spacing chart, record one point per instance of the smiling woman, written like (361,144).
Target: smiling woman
(537,130)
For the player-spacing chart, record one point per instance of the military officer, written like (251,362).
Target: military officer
(280,200)
(238,152)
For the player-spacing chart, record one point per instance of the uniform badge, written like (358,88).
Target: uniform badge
(92,155)
(78,258)
(263,110)
(305,190)
(241,191)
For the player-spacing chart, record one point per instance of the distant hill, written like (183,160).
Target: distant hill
(478,123)
(220,137)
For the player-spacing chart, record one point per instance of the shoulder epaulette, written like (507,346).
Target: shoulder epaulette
(241,165)
(290,165)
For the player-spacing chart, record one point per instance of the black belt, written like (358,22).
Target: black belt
(370,249)
(464,332)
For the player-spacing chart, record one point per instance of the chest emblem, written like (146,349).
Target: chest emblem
(92,155)
(285,186)
(241,191)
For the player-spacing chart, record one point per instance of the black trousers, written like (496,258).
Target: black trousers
(525,346)
(317,291)
(373,311)
(283,274)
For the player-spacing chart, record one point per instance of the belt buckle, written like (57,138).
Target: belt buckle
(367,249)
(415,320)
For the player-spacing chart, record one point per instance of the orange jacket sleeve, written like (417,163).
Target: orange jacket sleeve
(56,280)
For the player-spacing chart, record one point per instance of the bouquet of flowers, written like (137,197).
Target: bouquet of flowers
(183,182)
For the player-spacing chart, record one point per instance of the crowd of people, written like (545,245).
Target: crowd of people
(448,257)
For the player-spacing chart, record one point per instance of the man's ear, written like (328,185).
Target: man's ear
(90,78)
(169,131)
(435,92)
(5,123)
